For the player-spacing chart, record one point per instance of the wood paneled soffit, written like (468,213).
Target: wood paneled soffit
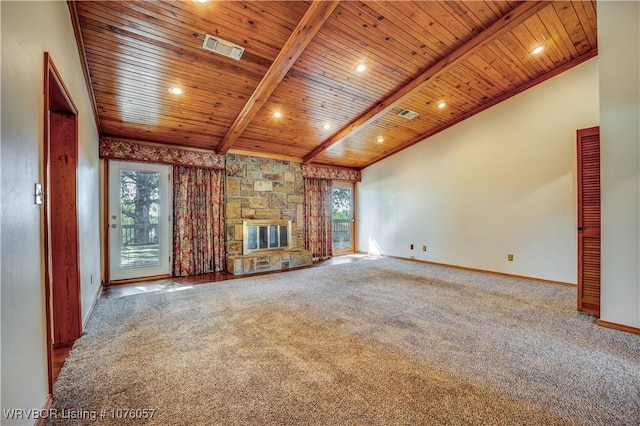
(306,29)
(498,28)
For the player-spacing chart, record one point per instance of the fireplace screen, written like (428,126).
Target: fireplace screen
(261,235)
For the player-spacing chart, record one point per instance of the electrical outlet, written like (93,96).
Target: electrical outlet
(510,257)
(424,248)
(411,246)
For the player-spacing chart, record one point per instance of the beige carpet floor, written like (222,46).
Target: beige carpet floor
(375,342)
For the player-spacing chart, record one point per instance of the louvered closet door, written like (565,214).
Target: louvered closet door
(588,141)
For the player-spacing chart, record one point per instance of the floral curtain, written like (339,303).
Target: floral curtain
(317,215)
(198,239)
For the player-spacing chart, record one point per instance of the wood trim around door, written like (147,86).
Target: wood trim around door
(588,185)
(352,186)
(63,314)
(105,224)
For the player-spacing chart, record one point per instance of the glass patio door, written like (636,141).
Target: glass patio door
(343,221)
(140,220)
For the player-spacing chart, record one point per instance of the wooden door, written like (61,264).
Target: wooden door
(588,144)
(65,274)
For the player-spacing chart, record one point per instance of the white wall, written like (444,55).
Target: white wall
(501,182)
(619,50)
(28,30)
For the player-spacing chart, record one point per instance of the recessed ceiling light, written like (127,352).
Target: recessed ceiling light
(326,126)
(277,114)
(176,90)
(361,67)
(442,105)
(201,1)
(380,139)
(537,49)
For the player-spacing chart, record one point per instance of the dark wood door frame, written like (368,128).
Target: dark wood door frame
(588,173)
(61,243)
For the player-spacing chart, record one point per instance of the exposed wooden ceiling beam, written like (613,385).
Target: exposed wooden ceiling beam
(309,25)
(505,24)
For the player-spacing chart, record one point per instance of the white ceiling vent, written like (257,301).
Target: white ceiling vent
(222,47)
(408,114)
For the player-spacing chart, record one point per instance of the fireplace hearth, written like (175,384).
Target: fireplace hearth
(267,247)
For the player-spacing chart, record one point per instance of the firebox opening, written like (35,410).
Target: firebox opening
(262,235)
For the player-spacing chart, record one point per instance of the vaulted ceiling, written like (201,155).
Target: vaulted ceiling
(445,61)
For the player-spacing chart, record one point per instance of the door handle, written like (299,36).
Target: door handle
(114,225)
(579,228)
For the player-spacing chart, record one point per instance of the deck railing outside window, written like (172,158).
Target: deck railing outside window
(139,235)
(341,233)
(140,245)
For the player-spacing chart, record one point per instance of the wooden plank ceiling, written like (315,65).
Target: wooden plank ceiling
(300,59)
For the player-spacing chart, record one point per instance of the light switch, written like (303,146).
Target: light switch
(38,194)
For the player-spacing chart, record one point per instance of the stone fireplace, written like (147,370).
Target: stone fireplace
(264,216)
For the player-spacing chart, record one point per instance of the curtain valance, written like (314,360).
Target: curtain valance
(115,149)
(331,173)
